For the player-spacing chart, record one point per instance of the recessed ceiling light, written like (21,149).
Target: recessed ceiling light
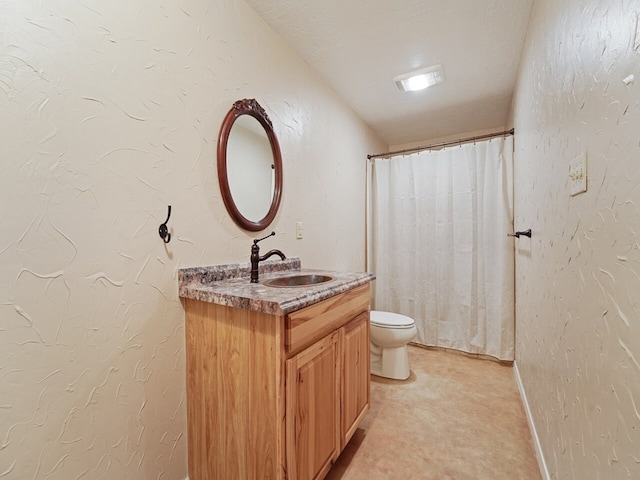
(419,79)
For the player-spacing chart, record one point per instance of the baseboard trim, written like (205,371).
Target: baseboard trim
(542,464)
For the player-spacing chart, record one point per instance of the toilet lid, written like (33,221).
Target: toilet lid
(391,320)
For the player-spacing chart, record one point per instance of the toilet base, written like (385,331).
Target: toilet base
(390,362)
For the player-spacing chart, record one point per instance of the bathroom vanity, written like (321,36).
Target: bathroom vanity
(277,377)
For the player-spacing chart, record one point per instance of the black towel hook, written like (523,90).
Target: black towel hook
(163,230)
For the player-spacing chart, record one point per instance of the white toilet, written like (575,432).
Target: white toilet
(390,333)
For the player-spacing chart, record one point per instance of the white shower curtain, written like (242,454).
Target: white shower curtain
(439,245)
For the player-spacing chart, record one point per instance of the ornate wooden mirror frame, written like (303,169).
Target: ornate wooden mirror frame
(248,107)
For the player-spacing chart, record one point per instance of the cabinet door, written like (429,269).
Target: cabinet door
(312,410)
(355,375)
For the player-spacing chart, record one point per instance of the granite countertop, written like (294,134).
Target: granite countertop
(229,285)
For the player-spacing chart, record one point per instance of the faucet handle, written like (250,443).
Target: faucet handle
(255,242)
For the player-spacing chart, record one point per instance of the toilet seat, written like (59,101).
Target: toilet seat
(390,320)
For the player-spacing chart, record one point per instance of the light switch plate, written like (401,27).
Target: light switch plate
(578,175)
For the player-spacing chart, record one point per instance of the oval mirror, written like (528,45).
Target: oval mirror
(249,166)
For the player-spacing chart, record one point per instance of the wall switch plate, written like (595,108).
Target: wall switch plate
(578,174)
(298,230)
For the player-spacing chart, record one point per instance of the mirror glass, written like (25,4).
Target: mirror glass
(249,166)
(250,173)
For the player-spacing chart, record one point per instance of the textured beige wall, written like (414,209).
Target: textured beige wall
(578,278)
(109,111)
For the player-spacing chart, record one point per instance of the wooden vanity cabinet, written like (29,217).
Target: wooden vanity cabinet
(275,397)
(313,409)
(355,393)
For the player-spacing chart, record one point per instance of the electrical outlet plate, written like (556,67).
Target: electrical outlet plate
(299,230)
(578,175)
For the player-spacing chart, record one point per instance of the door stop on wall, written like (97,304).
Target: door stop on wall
(525,233)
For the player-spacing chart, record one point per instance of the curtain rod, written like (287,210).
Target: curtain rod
(443,144)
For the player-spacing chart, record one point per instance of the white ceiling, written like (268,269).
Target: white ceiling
(358,46)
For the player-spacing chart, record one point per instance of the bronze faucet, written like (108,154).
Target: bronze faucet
(256,258)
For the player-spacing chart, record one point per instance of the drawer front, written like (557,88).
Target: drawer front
(305,326)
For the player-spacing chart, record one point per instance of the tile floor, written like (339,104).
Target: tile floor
(454,418)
